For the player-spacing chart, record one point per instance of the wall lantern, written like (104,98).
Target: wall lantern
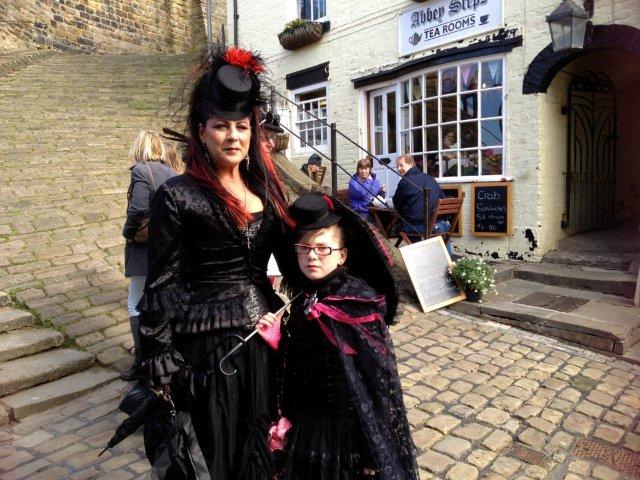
(568,24)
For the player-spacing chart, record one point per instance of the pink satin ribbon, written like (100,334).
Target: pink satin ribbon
(322,308)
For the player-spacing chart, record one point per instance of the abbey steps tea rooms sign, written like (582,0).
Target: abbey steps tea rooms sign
(437,22)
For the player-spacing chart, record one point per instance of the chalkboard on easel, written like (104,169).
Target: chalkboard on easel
(428,265)
(454,191)
(491,209)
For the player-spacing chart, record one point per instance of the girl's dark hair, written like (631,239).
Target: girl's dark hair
(261,170)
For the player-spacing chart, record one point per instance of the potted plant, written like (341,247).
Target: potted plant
(474,276)
(299,33)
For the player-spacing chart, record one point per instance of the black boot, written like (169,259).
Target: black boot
(132,372)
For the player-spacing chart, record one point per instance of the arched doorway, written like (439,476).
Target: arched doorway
(591,153)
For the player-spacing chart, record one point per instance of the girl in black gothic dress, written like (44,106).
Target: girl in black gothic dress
(340,389)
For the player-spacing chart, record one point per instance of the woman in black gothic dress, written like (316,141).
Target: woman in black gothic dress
(212,231)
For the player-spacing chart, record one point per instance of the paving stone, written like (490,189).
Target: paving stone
(472,431)
(505,402)
(443,423)
(67,453)
(26,470)
(33,439)
(452,446)
(506,466)
(528,411)
(462,470)
(618,419)
(532,437)
(608,433)
(425,438)
(604,473)
(578,423)
(14,460)
(497,441)
(559,441)
(493,416)
(434,462)
(480,458)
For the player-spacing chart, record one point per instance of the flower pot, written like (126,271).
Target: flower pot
(473,295)
(281,141)
(301,36)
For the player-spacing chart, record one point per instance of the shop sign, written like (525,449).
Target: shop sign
(437,22)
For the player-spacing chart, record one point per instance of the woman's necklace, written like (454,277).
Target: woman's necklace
(245,229)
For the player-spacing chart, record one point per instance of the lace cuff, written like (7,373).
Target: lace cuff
(159,369)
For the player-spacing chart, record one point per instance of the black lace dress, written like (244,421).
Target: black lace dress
(341,389)
(207,280)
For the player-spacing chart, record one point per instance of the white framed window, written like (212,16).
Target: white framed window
(313,101)
(452,119)
(313,10)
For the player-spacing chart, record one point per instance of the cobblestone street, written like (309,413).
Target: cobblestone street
(485,401)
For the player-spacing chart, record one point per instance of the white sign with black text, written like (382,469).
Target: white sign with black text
(438,22)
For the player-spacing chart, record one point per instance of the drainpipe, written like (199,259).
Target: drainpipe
(235,22)
(209,27)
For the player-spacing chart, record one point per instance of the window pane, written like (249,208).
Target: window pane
(404,142)
(449,109)
(492,161)
(491,132)
(469,77)
(450,164)
(432,84)
(433,164)
(416,117)
(469,134)
(492,103)
(492,74)
(391,122)
(417,140)
(432,138)
(378,142)
(321,8)
(377,111)
(305,9)
(449,137)
(469,163)
(419,162)
(405,92)
(449,80)
(404,117)
(468,106)
(432,111)
(416,88)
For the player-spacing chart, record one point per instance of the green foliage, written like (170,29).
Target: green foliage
(473,274)
(293,24)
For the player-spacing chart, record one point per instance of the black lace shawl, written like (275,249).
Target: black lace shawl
(372,376)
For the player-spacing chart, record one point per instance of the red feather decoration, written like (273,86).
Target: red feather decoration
(243,59)
(329,203)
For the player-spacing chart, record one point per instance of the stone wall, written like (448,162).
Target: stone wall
(107,26)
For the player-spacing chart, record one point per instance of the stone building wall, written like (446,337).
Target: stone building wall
(107,26)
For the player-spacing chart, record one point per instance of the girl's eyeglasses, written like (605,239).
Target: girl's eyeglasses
(322,250)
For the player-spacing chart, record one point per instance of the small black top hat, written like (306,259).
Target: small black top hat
(314,159)
(311,211)
(231,92)
(272,122)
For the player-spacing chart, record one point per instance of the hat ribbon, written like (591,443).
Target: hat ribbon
(317,310)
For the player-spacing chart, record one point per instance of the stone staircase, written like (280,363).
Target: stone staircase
(67,123)
(13,60)
(36,371)
(581,293)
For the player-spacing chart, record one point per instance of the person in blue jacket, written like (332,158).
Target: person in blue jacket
(408,199)
(362,187)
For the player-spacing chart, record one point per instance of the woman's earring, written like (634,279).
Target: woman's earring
(248,159)
(206,153)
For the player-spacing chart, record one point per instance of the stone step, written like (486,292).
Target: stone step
(12,319)
(599,321)
(26,342)
(585,278)
(11,62)
(607,261)
(16,375)
(47,395)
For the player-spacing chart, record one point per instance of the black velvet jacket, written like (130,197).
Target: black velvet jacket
(199,267)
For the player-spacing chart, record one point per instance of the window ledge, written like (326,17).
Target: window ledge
(486,178)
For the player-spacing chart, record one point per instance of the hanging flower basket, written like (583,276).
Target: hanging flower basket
(281,141)
(300,35)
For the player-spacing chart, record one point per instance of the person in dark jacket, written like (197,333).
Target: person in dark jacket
(148,172)
(363,186)
(211,233)
(311,167)
(408,199)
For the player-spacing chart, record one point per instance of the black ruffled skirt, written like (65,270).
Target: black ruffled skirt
(231,414)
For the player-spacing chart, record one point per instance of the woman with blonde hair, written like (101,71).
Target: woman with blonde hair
(148,172)
(173,159)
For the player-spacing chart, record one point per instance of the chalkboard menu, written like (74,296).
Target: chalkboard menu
(428,266)
(454,191)
(491,209)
